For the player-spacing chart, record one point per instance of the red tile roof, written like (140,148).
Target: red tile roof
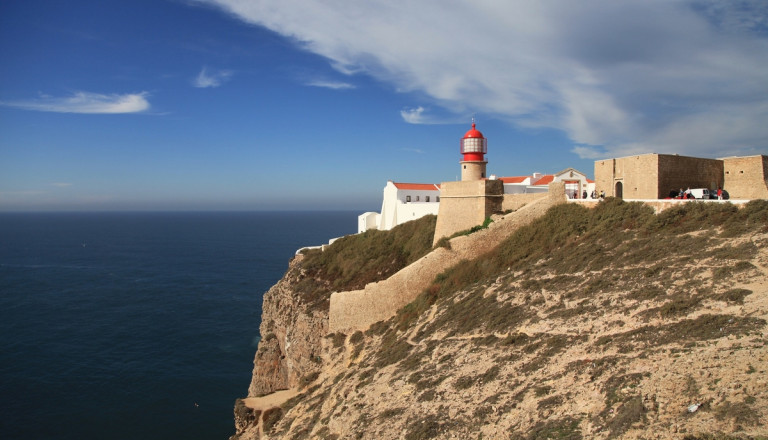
(417,186)
(515,179)
(545,180)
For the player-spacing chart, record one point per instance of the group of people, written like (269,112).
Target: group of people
(575,194)
(687,194)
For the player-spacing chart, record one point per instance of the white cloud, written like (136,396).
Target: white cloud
(86,102)
(667,76)
(421,115)
(207,79)
(413,115)
(335,85)
(61,184)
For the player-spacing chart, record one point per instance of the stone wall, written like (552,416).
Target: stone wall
(513,202)
(604,175)
(466,204)
(746,177)
(677,172)
(653,176)
(358,309)
(638,176)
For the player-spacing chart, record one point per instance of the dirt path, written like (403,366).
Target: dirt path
(264,403)
(416,329)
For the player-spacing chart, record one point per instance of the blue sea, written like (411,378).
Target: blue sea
(138,325)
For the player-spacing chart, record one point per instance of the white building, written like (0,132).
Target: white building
(408,201)
(576,183)
(402,202)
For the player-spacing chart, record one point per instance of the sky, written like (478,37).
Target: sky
(315,104)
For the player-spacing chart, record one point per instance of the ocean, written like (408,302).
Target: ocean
(138,325)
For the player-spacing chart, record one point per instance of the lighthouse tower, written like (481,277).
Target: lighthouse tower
(474,146)
(469,202)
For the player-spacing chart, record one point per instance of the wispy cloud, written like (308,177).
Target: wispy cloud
(335,85)
(208,78)
(61,184)
(85,102)
(680,76)
(421,115)
(413,115)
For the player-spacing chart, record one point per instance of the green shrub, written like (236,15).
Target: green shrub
(353,261)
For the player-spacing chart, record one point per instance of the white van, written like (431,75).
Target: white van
(700,193)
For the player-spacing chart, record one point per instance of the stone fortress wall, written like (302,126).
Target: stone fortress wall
(465,204)
(653,176)
(746,177)
(358,309)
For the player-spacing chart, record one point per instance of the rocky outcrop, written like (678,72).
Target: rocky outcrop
(291,328)
(293,323)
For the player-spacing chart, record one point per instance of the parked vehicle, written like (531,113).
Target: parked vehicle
(700,193)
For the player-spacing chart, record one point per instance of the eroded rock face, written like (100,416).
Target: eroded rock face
(291,328)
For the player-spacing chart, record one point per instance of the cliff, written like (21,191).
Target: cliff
(609,322)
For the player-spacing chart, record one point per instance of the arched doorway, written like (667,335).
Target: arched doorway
(619,190)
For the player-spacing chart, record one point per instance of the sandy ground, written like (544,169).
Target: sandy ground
(264,403)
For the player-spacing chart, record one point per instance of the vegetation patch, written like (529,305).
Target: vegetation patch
(549,402)
(394,348)
(566,428)
(472,230)
(428,427)
(391,412)
(627,414)
(337,339)
(270,418)
(740,413)
(308,379)
(703,328)
(734,295)
(353,261)
(465,382)
(678,305)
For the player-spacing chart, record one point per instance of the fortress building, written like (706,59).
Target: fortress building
(655,176)
(467,203)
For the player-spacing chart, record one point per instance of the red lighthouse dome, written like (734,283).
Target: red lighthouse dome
(474,145)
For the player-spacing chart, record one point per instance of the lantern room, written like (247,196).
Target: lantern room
(474,146)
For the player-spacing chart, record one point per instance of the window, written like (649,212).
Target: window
(438,198)
(417,198)
(427,198)
(407,199)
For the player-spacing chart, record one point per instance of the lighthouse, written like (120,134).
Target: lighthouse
(474,146)
(467,203)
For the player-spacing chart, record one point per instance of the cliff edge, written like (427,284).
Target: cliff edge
(611,322)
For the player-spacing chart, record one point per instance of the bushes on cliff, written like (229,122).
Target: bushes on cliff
(571,238)
(355,260)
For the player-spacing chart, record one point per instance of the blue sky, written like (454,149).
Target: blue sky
(251,105)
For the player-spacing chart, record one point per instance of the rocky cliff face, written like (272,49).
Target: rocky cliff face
(291,328)
(603,323)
